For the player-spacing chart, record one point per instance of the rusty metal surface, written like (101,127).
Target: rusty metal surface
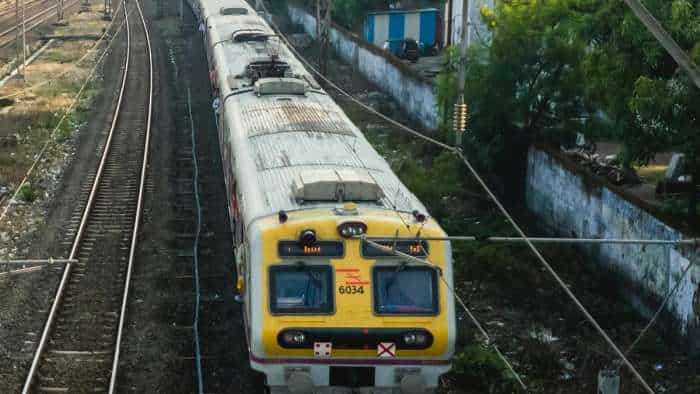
(292,116)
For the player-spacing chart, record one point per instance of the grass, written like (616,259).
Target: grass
(27,193)
(30,118)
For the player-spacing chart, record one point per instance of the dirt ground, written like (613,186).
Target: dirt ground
(548,341)
(159,353)
(49,223)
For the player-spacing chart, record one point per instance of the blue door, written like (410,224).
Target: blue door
(369,30)
(428,28)
(397,24)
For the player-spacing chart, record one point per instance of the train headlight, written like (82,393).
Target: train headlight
(308,237)
(293,338)
(415,338)
(352,229)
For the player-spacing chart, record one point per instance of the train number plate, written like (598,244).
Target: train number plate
(351,289)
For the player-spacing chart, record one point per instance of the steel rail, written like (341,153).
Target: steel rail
(10,8)
(83,223)
(36,261)
(139,206)
(31,19)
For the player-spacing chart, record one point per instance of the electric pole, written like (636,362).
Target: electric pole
(18,23)
(323,27)
(108,10)
(21,38)
(463,46)
(24,35)
(59,10)
(460,115)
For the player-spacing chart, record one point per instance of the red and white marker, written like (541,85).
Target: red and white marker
(386,350)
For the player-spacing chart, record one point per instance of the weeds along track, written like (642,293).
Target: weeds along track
(79,346)
(36,13)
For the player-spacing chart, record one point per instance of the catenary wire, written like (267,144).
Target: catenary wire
(71,67)
(70,108)
(670,294)
(493,197)
(470,314)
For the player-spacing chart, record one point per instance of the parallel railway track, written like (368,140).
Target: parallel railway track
(79,346)
(36,15)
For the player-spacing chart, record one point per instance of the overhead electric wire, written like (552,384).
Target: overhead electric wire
(71,66)
(661,308)
(665,39)
(461,302)
(493,197)
(43,150)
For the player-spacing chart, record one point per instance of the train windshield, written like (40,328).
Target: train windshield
(405,290)
(301,289)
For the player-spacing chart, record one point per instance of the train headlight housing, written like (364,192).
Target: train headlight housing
(415,338)
(308,237)
(293,338)
(352,229)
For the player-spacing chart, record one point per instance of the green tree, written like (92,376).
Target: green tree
(526,84)
(630,76)
(553,67)
(351,13)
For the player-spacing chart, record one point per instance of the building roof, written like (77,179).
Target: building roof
(403,11)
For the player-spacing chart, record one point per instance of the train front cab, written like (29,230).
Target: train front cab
(332,314)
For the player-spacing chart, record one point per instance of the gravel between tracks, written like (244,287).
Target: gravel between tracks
(25,299)
(158,353)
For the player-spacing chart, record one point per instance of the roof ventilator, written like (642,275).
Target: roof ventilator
(233,11)
(264,86)
(249,35)
(335,185)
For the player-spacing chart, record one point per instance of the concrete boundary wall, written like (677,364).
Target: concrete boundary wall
(574,203)
(411,91)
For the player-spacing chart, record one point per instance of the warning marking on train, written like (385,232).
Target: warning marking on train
(352,277)
(386,350)
(323,349)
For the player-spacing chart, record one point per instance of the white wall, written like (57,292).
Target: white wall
(571,204)
(416,97)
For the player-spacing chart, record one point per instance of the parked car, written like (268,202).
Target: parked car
(407,49)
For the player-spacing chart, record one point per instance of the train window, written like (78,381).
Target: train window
(301,289)
(400,290)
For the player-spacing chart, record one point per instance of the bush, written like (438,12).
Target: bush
(480,368)
(27,193)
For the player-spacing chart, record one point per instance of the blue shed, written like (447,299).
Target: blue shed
(396,25)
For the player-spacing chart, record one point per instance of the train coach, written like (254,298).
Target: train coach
(325,310)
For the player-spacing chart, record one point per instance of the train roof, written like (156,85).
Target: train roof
(292,146)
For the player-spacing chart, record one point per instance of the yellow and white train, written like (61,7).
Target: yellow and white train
(325,312)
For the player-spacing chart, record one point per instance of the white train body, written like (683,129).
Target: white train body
(291,159)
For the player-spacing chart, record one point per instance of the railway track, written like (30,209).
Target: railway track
(9,8)
(79,346)
(37,15)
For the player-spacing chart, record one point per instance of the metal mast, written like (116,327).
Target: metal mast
(108,9)
(59,10)
(323,27)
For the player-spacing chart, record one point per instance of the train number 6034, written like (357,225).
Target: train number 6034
(351,289)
